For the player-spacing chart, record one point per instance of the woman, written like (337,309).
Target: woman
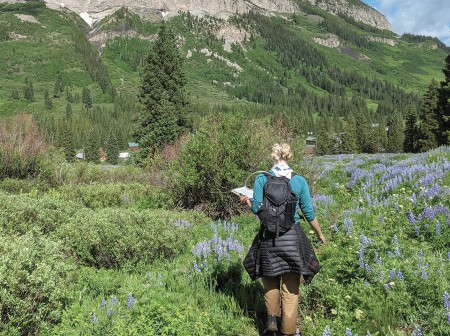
(280,256)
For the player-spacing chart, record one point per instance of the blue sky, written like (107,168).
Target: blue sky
(420,17)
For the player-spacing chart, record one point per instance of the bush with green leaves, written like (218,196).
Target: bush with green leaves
(22,213)
(218,157)
(35,279)
(22,186)
(101,195)
(114,237)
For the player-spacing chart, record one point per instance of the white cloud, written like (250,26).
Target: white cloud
(429,17)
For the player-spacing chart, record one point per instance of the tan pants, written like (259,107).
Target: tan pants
(290,283)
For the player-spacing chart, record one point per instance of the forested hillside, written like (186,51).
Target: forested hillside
(312,68)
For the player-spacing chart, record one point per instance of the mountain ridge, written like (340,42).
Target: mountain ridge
(93,11)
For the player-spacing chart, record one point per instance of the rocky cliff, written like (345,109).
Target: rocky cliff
(94,10)
(360,12)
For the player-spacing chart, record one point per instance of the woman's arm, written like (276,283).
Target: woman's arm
(316,227)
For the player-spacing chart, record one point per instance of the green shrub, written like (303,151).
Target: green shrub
(218,157)
(111,237)
(17,186)
(85,173)
(35,280)
(98,195)
(21,213)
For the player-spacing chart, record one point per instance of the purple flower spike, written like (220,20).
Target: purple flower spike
(131,301)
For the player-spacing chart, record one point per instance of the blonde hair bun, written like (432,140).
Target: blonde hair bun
(281,152)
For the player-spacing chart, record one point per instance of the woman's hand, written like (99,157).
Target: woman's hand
(322,239)
(246,200)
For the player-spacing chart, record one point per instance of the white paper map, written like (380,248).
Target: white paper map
(243,191)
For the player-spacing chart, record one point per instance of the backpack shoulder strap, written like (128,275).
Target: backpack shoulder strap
(268,175)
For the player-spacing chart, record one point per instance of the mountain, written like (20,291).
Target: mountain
(303,60)
(96,10)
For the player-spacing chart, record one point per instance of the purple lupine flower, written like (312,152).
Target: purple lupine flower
(392,274)
(414,198)
(428,213)
(438,229)
(397,252)
(113,301)
(348,332)
(411,217)
(110,312)
(387,285)
(446,300)
(131,301)
(327,331)
(400,275)
(335,228)
(365,241)
(94,319)
(196,268)
(103,304)
(448,317)
(395,240)
(424,274)
(448,255)
(380,219)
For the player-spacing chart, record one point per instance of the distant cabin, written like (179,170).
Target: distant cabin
(124,155)
(80,155)
(133,146)
(311,143)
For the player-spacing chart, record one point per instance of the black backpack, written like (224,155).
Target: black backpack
(279,202)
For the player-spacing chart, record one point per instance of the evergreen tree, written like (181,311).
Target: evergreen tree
(86,97)
(59,86)
(396,134)
(92,147)
(28,92)
(66,141)
(428,129)
(69,111)
(349,142)
(47,100)
(325,142)
(112,149)
(409,145)
(15,94)
(444,105)
(166,111)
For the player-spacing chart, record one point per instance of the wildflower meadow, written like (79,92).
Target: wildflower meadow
(129,266)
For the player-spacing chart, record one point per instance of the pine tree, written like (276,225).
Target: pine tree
(395,133)
(59,86)
(47,100)
(444,105)
(428,131)
(92,147)
(349,141)
(112,149)
(15,94)
(28,92)
(86,97)
(409,143)
(66,141)
(69,111)
(166,111)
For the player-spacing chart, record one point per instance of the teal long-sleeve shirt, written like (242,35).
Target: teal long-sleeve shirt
(299,187)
